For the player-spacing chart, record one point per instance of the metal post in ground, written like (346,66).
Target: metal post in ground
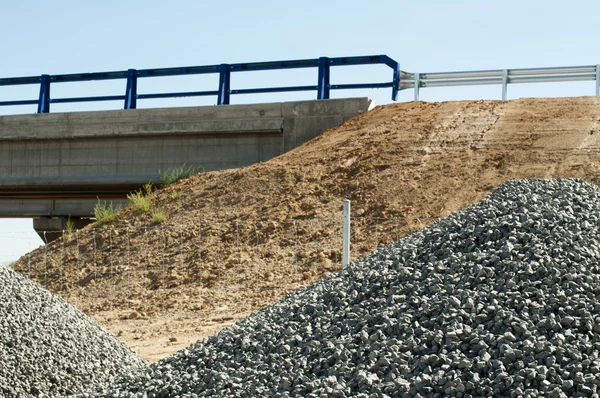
(504,84)
(346,235)
(417,85)
(597,80)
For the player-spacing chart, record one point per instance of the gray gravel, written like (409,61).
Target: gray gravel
(50,349)
(500,299)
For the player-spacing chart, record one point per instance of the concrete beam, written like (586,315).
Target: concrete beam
(232,119)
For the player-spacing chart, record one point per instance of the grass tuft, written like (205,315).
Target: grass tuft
(179,173)
(159,216)
(69,226)
(141,202)
(106,212)
(148,189)
(176,194)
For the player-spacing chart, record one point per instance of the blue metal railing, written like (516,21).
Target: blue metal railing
(223,92)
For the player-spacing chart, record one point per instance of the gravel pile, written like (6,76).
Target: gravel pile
(500,299)
(50,349)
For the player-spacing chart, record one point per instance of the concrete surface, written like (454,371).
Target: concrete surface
(57,164)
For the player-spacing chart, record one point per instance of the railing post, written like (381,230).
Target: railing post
(323,84)
(597,80)
(131,90)
(396,81)
(417,85)
(224,85)
(44,101)
(504,84)
(346,235)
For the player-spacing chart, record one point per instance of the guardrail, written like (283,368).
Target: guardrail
(503,77)
(224,90)
(401,80)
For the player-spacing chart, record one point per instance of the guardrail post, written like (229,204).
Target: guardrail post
(44,101)
(597,80)
(224,85)
(131,90)
(504,84)
(417,85)
(346,235)
(323,84)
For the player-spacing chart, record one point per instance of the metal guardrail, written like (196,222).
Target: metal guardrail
(224,90)
(503,77)
(401,80)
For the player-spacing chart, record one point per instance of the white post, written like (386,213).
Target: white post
(597,80)
(417,85)
(346,235)
(504,84)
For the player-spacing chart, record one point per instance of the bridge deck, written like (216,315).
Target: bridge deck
(57,164)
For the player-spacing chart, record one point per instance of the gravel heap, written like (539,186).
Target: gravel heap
(50,349)
(500,299)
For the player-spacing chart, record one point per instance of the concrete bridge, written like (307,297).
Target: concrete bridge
(56,165)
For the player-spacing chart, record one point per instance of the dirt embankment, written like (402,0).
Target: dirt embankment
(237,240)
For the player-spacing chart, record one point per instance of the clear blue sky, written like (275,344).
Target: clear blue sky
(66,36)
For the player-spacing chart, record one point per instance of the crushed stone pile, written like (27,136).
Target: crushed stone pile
(500,299)
(50,349)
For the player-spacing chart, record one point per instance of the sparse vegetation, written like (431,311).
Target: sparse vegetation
(106,212)
(179,173)
(140,200)
(176,194)
(148,188)
(159,216)
(69,226)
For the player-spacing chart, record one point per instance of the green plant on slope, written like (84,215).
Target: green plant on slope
(69,226)
(179,173)
(148,188)
(176,194)
(106,212)
(140,200)
(159,216)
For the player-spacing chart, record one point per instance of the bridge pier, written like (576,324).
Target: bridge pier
(51,228)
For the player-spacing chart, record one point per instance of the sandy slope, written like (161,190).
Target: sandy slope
(237,240)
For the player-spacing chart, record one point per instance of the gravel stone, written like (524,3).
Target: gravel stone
(50,349)
(500,299)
